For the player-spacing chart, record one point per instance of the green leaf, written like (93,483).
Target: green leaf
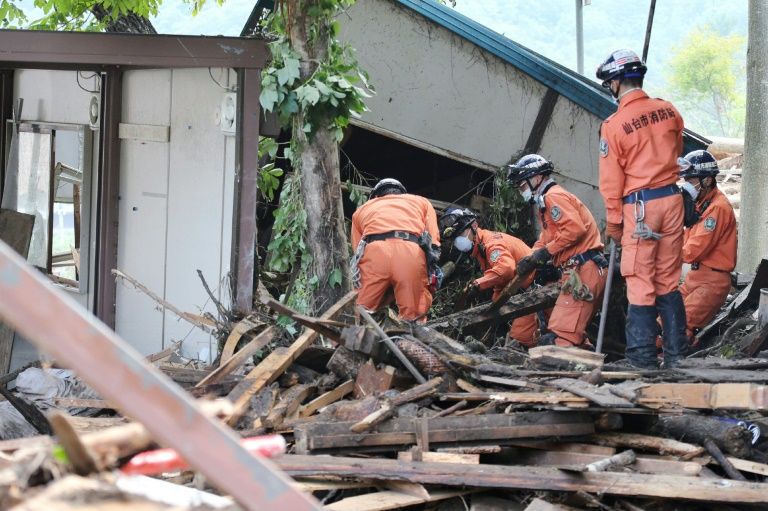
(307,95)
(268,99)
(289,72)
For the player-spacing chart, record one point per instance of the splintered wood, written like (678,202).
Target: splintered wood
(497,427)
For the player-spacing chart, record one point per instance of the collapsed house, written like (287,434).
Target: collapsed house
(380,415)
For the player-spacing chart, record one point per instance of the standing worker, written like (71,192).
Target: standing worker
(710,241)
(571,240)
(639,147)
(397,247)
(498,254)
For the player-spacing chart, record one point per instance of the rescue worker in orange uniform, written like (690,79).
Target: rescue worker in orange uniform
(639,147)
(709,241)
(497,253)
(571,240)
(395,233)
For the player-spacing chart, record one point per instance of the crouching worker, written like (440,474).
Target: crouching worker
(498,254)
(570,239)
(709,241)
(397,248)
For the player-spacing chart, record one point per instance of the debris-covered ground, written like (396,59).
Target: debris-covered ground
(386,415)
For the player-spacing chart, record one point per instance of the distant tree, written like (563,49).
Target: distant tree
(707,76)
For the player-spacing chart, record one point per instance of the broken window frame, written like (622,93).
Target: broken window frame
(83,230)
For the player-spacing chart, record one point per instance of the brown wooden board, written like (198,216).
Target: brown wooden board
(16,231)
(529,478)
(319,436)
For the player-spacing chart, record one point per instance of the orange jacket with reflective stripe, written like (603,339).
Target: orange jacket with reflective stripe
(712,240)
(498,254)
(567,226)
(395,212)
(639,147)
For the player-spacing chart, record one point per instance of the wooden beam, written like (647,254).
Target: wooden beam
(648,443)
(536,135)
(241,357)
(517,306)
(316,436)
(529,478)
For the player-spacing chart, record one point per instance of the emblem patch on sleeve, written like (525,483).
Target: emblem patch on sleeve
(495,255)
(556,213)
(710,223)
(603,147)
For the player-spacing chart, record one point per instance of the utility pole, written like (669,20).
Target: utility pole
(580,35)
(753,228)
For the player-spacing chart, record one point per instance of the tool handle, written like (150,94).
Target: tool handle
(606,298)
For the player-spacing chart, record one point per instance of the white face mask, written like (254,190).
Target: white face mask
(527,195)
(462,244)
(692,190)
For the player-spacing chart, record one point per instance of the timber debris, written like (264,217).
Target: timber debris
(383,415)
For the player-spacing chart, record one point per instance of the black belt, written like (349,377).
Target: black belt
(592,254)
(651,194)
(400,235)
(696,266)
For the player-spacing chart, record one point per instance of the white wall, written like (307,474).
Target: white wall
(175,207)
(438,89)
(175,211)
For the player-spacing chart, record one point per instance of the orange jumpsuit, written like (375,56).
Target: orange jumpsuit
(567,230)
(395,264)
(498,254)
(639,147)
(710,246)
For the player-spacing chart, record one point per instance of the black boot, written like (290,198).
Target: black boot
(641,332)
(672,313)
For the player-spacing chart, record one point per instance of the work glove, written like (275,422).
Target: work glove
(471,290)
(614,232)
(541,256)
(526,265)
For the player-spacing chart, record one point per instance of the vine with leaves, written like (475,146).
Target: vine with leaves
(334,91)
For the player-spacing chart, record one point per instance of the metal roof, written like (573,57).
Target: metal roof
(566,82)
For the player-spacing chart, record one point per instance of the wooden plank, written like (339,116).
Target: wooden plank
(242,327)
(383,500)
(73,402)
(752,467)
(403,431)
(505,382)
(708,396)
(290,400)
(441,457)
(15,230)
(561,357)
(546,108)
(241,357)
(326,399)
(371,381)
(642,464)
(598,395)
(276,363)
(529,478)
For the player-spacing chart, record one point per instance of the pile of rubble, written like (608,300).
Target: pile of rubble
(387,415)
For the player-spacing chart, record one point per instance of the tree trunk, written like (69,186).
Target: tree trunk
(326,236)
(130,23)
(753,244)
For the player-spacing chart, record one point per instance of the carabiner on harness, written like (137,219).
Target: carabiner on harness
(642,231)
